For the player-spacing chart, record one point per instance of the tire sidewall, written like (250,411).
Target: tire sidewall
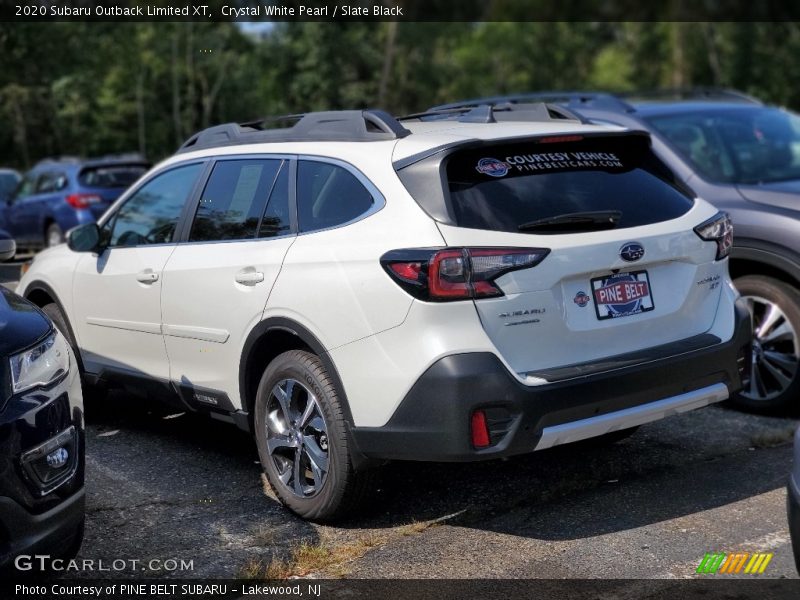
(294,365)
(788,299)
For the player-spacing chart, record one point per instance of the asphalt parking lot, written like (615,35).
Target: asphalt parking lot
(169,486)
(165,485)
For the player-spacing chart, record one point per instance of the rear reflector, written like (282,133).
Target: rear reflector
(480,432)
(457,273)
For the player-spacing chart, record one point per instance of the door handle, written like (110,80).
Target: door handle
(249,277)
(147,276)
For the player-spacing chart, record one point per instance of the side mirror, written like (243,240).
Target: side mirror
(8,247)
(84,238)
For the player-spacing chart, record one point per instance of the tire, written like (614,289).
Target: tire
(90,392)
(299,416)
(53,236)
(772,382)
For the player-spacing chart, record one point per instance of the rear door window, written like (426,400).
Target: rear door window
(234,199)
(329,195)
(506,187)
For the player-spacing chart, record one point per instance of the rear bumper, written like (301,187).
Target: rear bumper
(432,422)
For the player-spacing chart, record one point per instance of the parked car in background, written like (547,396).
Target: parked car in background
(793,502)
(743,157)
(58,194)
(41,433)
(357,288)
(9,180)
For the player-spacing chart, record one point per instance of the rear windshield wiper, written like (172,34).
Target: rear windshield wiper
(578,221)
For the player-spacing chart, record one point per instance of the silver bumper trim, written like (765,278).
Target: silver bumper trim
(631,417)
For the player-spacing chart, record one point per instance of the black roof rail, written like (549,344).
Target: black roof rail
(568,99)
(336,126)
(487,111)
(693,93)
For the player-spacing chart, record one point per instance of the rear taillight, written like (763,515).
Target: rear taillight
(83,200)
(717,229)
(457,273)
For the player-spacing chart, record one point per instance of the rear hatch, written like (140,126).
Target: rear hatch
(107,181)
(625,270)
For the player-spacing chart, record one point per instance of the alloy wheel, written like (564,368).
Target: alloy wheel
(775,356)
(297,438)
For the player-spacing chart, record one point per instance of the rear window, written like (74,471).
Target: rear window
(111,176)
(507,186)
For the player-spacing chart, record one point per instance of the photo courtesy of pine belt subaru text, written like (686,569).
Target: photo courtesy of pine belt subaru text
(41,433)
(454,286)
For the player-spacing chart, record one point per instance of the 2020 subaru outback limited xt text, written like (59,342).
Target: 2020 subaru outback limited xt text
(355,289)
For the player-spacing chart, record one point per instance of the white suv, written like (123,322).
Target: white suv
(456,286)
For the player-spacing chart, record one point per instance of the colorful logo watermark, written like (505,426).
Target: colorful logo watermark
(731,563)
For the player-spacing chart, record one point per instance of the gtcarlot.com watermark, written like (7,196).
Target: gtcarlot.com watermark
(42,562)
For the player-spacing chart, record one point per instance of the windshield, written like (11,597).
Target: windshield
(583,184)
(736,145)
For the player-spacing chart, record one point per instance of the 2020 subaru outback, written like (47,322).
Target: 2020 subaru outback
(357,288)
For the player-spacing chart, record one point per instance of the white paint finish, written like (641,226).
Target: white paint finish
(333,279)
(567,433)
(117,318)
(378,371)
(207,313)
(555,331)
(54,267)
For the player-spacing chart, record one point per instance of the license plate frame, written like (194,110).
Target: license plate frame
(622,294)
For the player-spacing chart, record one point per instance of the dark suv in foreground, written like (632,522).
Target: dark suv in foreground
(744,157)
(41,434)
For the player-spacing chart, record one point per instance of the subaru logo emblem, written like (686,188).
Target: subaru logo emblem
(631,252)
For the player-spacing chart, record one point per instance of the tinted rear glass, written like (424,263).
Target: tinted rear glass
(111,176)
(502,187)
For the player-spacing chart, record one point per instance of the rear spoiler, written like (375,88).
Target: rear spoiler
(471,143)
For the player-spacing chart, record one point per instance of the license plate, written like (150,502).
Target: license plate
(622,295)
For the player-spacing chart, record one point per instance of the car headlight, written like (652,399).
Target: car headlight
(717,229)
(41,365)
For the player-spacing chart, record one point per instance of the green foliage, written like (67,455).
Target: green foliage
(91,89)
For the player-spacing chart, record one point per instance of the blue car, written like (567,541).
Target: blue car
(57,195)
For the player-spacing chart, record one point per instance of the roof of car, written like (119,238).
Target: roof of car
(646,109)
(74,162)
(360,135)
